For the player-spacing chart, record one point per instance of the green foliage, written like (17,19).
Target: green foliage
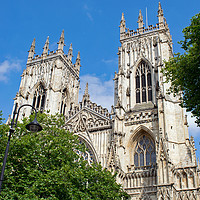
(45,165)
(1,118)
(183,71)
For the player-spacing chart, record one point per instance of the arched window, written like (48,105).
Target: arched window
(88,155)
(39,98)
(143,83)
(65,102)
(144,152)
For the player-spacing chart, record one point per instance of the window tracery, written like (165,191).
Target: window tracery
(88,155)
(143,83)
(39,98)
(64,102)
(144,152)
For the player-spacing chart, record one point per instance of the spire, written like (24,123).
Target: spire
(140,21)
(70,55)
(122,24)
(160,15)
(86,95)
(61,43)
(31,51)
(46,47)
(78,64)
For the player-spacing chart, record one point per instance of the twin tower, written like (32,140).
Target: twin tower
(145,136)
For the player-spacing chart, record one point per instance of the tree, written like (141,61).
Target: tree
(183,71)
(1,118)
(46,165)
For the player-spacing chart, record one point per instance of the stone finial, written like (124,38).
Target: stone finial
(46,47)
(160,15)
(86,89)
(122,24)
(86,95)
(78,64)
(31,51)
(140,22)
(70,55)
(61,43)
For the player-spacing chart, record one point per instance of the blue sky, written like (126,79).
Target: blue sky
(92,28)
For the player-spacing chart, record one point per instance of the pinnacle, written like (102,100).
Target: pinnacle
(62,37)
(159,6)
(140,13)
(86,89)
(32,46)
(78,56)
(33,43)
(71,46)
(62,34)
(122,19)
(140,16)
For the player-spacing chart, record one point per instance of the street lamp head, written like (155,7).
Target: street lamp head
(34,126)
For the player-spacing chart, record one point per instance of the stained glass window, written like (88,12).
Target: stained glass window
(39,98)
(144,154)
(88,154)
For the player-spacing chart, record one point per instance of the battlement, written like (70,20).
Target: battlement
(32,58)
(131,33)
(126,33)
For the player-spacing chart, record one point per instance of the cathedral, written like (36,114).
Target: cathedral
(144,138)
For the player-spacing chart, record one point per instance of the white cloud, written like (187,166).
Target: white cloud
(110,61)
(101,92)
(88,13)
(89,16)
(7,66)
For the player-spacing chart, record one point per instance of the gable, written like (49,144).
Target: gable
(87,120)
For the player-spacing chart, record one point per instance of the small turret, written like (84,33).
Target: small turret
(122,24)
(86,95)
(78,64)
(61,43)
(70,55)
(31,51)
(160,15)
(140,22)
(46,48)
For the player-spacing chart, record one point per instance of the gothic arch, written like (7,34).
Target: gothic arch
(135,134)
(142,59)
(142,148)
(92,155)
(65,101)
(39,96)
(41,82)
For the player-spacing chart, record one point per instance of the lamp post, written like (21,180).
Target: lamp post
(33,126)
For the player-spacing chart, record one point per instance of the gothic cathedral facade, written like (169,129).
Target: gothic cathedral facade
(145,136)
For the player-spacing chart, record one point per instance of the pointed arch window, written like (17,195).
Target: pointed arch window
(89,154)
(65,102)
(143,83)
(39,98)
(144,152)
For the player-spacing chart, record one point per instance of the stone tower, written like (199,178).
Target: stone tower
(50,81)
(153,153)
